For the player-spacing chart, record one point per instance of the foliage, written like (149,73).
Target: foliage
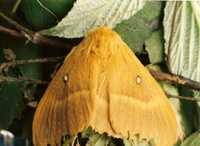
(185,45)
(146,32)
(77,23)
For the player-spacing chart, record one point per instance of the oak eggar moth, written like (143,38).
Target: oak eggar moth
(102,84)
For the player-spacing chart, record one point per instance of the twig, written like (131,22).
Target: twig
(171,38)
(184,97)
(4,66)
(175,79)
(11,79)
(31,61)
(30,35)
(12,32)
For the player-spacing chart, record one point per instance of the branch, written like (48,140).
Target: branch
(30,35)
(12,32)
(11,79)
(30,61)
(184,97)
(175,79)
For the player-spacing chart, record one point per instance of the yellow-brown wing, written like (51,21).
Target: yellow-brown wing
(130,101)
(142,107)
(68,103)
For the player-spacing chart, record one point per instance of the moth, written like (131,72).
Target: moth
(102,84)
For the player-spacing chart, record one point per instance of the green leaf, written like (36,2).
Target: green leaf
(11,104)
(11,94)
(71,140)
(84,16)
(96,139)
(185,55)
(189,115)
(155,47)
(137,142)
(139,27)
(39,17)
(192,140)
(26,121)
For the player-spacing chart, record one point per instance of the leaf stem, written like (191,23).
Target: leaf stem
(47,10)
(171,37)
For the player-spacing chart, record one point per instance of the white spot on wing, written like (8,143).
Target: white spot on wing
(138,80)
(65,78)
